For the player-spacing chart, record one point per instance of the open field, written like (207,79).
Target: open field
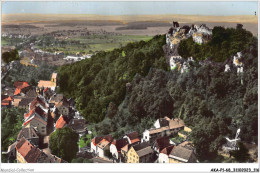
(121,24)
(29,18)
(94,43)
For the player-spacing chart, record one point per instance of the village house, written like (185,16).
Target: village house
(63,107)
(37,119)
(140,153)
(173,126)
(37,101)
(61,123)
(99,145)
(182,154)
(24,103)
(78,125)
(6,101)
(60,103)
(162,122)
(31,93)
(21,87)
(16,100)
(160,144)
(124,151)
(30,135)
(48,84)
(47,93)
(164,154)
(37,110)
(28,153)
(116,146)
(132,137)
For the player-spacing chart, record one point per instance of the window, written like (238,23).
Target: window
(145,137)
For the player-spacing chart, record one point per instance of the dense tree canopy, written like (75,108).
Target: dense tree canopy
(129,93)
(10,56)
(102,79)
(224,43)
(29,74)
(63,143)
(11,124)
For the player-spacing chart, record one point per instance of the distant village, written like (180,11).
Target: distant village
(48,111)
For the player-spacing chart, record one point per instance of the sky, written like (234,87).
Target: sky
(132,8)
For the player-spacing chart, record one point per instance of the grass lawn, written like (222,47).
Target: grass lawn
(5,41)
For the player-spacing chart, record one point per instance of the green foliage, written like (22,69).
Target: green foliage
(123,53)
(85,140)
(177,139)
(224,43)
(208,136)
(29,74)
(100,80)
(63,143)
(81,160)
(10,56)
(242,154)
(11,124)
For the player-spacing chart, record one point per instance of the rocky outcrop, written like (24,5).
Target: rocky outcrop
(200,34)
(234,63)
(180,64)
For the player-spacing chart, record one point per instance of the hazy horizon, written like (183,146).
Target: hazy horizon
(203,8)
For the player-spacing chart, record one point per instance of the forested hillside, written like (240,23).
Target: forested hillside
(96,82)
(129,88)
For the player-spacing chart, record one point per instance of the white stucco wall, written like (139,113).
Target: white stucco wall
(93,147)
(163,158)
(113,150)
(157,124)
(146,135)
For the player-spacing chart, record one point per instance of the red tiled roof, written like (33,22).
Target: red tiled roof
(17,91)
(97,140)
(8,99)
(29,152)
(5,103)
(37,110)
(103,143)
(21,84)
(60,122)
(135,140)
(26,115)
